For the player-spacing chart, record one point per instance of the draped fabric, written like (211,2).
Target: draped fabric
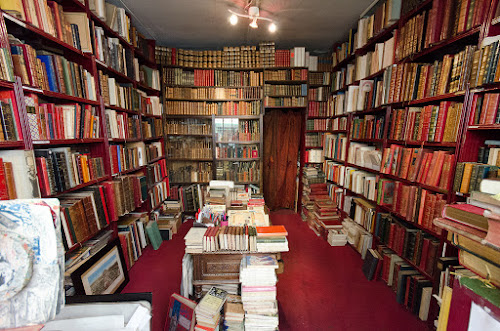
(282,135)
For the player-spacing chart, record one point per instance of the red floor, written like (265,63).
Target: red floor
(322,287)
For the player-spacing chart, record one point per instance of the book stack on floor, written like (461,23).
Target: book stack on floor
(258,292)
(272,239)
(234,316)
(326,217)
(474,228)
(315,189)
(208,310)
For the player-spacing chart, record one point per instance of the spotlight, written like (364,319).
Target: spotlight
(253,24)
(233,19)
(272,27)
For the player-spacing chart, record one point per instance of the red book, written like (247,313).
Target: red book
(271,231)
(4,191)
(43,177)
(466,214)
(425,251)
(491,110)
(110,200)
(103,199)
(181,316)
(123,243)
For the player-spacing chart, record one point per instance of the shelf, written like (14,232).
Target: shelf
(222,68)
(316,131)
(188,135)
(6,84)
(239,142)
(120,76)
(120,140)
(150,187)
(335,183)
(345,61)
(285,107)
(108,30)
(358,195)
(147,88)
(314,147)
(189,159)
(408,182)
(442,97)
(311,162)
(286,96)
(285,82)
(256,182)
(369,140)
(335,160)
(363,168)
(213,100)
(124,172)
(430,144)
(67,141)
(484,127)
(56,95)
(187,183)
(401,217)
(156,159)
(246,117)
(319,85)
(381,36)
(284,68)
(215,86)
(11,144)
(317,117)
(92,182)
(369,111)
(238,159)
(340,115)
(148,62)
(152,139)
(183,116)
(124,110)
(342,89)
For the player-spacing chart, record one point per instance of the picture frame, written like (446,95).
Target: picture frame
(103,273)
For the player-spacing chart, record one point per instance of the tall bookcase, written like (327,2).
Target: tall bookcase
(381,125)
(98,144)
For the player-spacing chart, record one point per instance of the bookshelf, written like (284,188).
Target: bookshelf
(65,123)
(384,118)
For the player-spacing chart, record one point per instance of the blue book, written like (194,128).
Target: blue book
(119,159)
(51,74)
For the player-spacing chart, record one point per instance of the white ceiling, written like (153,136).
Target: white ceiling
(203,24)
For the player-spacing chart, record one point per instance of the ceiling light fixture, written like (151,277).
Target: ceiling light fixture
(233,19)
(254,16)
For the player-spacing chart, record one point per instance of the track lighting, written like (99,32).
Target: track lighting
(253,24)
(253,15)
(233,19)
(272,27)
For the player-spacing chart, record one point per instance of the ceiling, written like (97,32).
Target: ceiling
(203,24)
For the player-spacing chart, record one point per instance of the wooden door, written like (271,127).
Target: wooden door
(282,138)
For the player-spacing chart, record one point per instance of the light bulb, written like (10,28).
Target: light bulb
(233,19)
(272,27)
(253,24)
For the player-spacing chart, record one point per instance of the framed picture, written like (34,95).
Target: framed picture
(103,273)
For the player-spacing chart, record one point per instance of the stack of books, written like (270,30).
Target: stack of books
(326,217)
(208,310)
(272,239)
(258,292)
(234,316)
(315,190)
(194,240)
(474,227)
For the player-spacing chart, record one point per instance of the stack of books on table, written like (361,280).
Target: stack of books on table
(208,310)
(234,316)
(194,240)
(272,239)
(256,202)
(474,228)
(258,292)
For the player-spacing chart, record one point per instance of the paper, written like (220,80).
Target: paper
(87,323)
(140,318)
(481,320)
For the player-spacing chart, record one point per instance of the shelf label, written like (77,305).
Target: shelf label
(41,142)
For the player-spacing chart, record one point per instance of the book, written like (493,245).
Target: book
(181,314)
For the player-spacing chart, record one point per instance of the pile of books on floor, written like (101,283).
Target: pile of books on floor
(272,239)
(258,292)
(208,310)
(234,316)
(474,228)
(315,190)
(325,217)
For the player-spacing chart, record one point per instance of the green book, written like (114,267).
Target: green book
(66,76)
(154,234)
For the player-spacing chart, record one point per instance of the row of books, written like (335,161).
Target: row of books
(216,108)
(122,125)
(241,172)
(320,78)
(430,123)
(285,74)
(335,146)
(342,50)
(112,53)
(338,123)
(133,236)
(318,124)
(411,38)
(62,168)
(314,139)
(189,148)
(313,156)
(149,77)
(414,204)
(364,155)
(50,17)
(367,127)
(7,183)
(122,95)
(159,193)
(360,182)
(318,93)
(373,62)
(384,15)
(6,72)
(156,172)
(11,129)
(213,93)
(126,157)
(210,77)
(188,126)
(469,175)
(190,172)
(51,72)
(488,154)
(432,168)
(285,90)
(115,17)
(152,127)
(334,172)
(343,77)
(484,109)
(237,151)
(285,101)
(154,150)
(317,109)
(233,130)
(230,238)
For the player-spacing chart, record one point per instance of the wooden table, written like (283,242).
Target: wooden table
(219,268)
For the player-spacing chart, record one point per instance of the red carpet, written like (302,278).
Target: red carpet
(322,288)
